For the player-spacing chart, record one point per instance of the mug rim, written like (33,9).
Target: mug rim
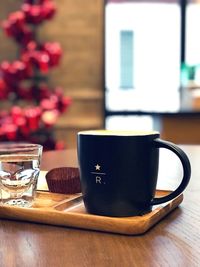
(103,132)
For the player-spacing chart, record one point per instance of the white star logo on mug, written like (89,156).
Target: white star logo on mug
(97,167)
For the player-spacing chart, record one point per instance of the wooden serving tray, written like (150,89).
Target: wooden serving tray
(69,210)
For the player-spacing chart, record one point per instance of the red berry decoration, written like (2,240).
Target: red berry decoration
(24,82)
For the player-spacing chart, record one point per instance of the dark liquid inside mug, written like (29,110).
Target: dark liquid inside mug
(119,171)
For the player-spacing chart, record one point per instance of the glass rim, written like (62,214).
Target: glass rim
(18,146)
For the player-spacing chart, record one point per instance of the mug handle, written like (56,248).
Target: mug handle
(159,143)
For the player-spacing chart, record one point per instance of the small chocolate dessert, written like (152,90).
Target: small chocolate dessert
(64,180)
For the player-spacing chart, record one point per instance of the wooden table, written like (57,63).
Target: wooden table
(175,241)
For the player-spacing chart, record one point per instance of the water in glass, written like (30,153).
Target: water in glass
(18,179)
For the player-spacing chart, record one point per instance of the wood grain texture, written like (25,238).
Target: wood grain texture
(174,241)
(57,209)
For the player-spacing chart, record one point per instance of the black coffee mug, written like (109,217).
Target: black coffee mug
(119,170)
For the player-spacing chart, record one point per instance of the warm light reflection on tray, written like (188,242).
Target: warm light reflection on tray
(69,210)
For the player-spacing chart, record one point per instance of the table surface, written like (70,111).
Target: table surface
(175,241)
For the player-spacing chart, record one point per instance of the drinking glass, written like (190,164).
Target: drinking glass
(19,171)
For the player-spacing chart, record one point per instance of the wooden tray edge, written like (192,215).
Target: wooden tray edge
(126,225)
